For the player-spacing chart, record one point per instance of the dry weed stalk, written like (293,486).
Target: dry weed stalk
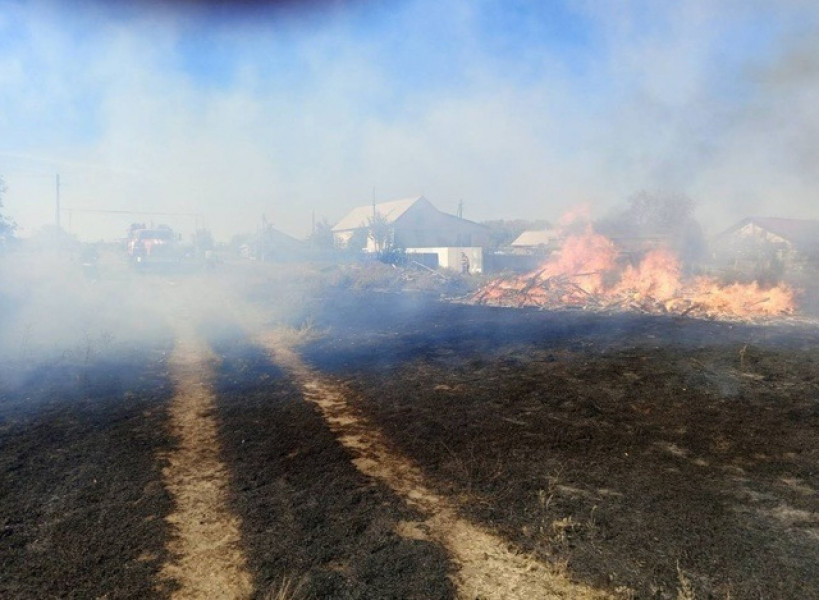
(290,588)
(298,336)
(685,591)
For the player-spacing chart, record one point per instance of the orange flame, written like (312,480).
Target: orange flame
(586,272)
(585,259)
(657,276)
(744,300)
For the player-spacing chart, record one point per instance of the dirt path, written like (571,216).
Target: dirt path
(208,560)
(488,568)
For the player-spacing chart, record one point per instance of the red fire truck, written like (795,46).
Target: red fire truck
(158,245)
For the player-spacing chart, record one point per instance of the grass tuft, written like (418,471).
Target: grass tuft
(289,588)
(686,590)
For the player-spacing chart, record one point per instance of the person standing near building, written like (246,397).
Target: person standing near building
(464,263)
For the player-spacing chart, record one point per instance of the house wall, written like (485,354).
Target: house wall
(342,238)
(753,247)
(424,226)
(451,258)
(754,252)
(389,242)
(352,239)
(758,254)
(754,231)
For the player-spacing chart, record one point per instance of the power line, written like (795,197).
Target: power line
(132,212)
(197,217)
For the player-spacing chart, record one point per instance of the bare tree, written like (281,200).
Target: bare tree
(322,236)
(669,214)
(504,232)
(660,212)
(380,231)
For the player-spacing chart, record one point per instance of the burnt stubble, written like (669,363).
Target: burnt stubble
(82,505)
(644,454)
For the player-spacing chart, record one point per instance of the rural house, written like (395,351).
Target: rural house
(537,240)
(270,244)
(407,223)
(755,242)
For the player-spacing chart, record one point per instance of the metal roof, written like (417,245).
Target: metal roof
(535,237)
(360,216)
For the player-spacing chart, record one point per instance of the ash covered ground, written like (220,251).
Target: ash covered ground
(632,456)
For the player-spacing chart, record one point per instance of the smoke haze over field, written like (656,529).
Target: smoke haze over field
(521,110)
(53,315)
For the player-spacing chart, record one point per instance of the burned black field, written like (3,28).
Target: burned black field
(82,502)
(308,515)
(635,456)
(648,454)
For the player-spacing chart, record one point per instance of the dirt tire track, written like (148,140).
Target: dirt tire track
(488,568)
(208,559)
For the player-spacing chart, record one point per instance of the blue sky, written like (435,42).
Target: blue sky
(520,109)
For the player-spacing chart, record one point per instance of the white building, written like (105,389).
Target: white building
(408,223)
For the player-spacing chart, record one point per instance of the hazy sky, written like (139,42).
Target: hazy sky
(520,109)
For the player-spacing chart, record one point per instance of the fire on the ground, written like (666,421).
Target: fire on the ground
(587,273)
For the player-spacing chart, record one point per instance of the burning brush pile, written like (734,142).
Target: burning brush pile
(588,273)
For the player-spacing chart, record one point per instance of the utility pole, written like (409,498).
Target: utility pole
(460,209)
(57,212)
